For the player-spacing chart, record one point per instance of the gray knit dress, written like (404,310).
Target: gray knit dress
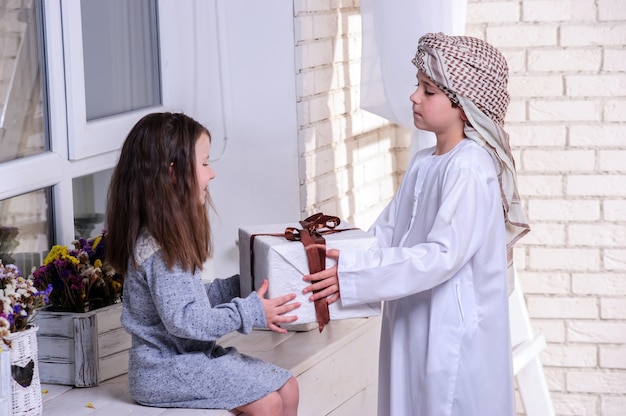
(174,319)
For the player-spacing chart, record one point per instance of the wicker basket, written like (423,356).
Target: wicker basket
(23,346)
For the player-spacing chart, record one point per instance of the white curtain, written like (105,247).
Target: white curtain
(391,29)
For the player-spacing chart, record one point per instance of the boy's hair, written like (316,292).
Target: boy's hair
(154,187)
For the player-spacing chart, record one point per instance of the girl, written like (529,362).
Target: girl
(159,238)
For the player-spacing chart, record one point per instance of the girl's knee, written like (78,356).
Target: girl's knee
(290,395)
(270,405)
(290,390)
(291,385)
(273,404)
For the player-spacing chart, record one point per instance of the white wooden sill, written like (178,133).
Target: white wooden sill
(336,372)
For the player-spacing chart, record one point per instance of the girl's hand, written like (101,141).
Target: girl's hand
(276,307)
(326,282)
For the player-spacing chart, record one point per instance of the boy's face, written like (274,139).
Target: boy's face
(433,110)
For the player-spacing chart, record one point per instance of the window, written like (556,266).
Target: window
(21,115)
(24,229)
(90,202)
(71,104)
(121,56)
(113,70)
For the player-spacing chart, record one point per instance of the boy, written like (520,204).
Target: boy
(446,245)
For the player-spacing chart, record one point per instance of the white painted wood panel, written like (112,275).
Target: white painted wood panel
(365,402)
(82,349)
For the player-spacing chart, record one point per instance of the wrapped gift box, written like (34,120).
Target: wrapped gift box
(284,263)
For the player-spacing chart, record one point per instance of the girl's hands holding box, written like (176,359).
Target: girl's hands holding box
(275,308)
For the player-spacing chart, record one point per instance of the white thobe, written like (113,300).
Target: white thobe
(441,270)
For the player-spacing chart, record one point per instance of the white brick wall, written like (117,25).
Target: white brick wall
(351,159)
(567,121)
(568,131)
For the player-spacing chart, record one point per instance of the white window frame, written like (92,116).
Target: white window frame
(189,81)
(95,137)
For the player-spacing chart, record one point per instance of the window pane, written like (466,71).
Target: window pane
(25,229)
(90,193)
(21,115)
(121,58)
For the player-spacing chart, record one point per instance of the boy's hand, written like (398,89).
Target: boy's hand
(326,282)
(276,307)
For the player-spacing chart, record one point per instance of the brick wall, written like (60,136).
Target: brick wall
(352,160)
(567,122)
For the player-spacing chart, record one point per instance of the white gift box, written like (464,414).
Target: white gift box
(284,263)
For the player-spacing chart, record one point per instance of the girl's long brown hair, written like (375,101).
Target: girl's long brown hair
(154,187)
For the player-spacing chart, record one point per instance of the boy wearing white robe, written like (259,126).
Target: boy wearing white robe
(445,245)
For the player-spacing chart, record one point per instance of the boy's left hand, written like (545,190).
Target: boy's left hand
(325,283)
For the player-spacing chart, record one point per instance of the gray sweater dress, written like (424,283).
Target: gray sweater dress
(174,320)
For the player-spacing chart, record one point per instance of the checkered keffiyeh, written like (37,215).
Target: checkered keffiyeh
(474,75)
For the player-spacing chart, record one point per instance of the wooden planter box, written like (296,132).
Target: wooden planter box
(82,349)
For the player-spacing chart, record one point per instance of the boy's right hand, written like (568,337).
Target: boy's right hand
(276,308)
(324,284)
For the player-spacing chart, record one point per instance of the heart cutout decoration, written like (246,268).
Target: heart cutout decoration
(23,375)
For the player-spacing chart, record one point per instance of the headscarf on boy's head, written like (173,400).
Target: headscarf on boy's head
(474,75)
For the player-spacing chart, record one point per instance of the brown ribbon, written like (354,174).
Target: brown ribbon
(312,237)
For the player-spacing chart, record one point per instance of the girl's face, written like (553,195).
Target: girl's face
(204,171)
(433,110)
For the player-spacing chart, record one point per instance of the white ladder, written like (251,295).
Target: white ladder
(527,367)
